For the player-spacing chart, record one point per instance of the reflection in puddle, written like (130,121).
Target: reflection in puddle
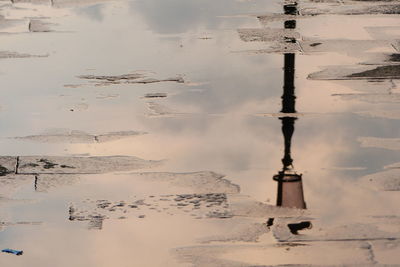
(207,200)
(290,184)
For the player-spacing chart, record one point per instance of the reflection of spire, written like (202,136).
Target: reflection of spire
(290,185)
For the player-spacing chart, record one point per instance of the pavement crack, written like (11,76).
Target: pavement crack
(370,252)
(17,165)
(392,87)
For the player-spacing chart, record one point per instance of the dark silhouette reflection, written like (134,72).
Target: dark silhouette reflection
(295,227)
(290,185)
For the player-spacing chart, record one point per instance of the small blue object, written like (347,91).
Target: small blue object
(13,251)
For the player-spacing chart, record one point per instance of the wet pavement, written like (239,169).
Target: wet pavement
(200,133)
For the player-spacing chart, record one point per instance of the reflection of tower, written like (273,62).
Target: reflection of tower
(290,185)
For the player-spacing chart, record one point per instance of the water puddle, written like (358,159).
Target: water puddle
(199,133)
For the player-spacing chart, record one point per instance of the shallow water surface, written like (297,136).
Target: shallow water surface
(199,133)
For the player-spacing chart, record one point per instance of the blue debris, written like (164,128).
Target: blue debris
(13,251)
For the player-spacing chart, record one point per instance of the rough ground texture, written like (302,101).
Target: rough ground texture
(266,34)
(138,78)
(9,54)
(73,136)
(386,143)
(202,182)
(83,165)
(388,180)
(199,206)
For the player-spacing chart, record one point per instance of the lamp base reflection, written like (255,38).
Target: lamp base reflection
(290,190)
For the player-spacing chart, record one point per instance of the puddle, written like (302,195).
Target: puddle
(264,133)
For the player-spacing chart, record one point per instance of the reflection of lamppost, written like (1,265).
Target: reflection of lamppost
(290,185)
